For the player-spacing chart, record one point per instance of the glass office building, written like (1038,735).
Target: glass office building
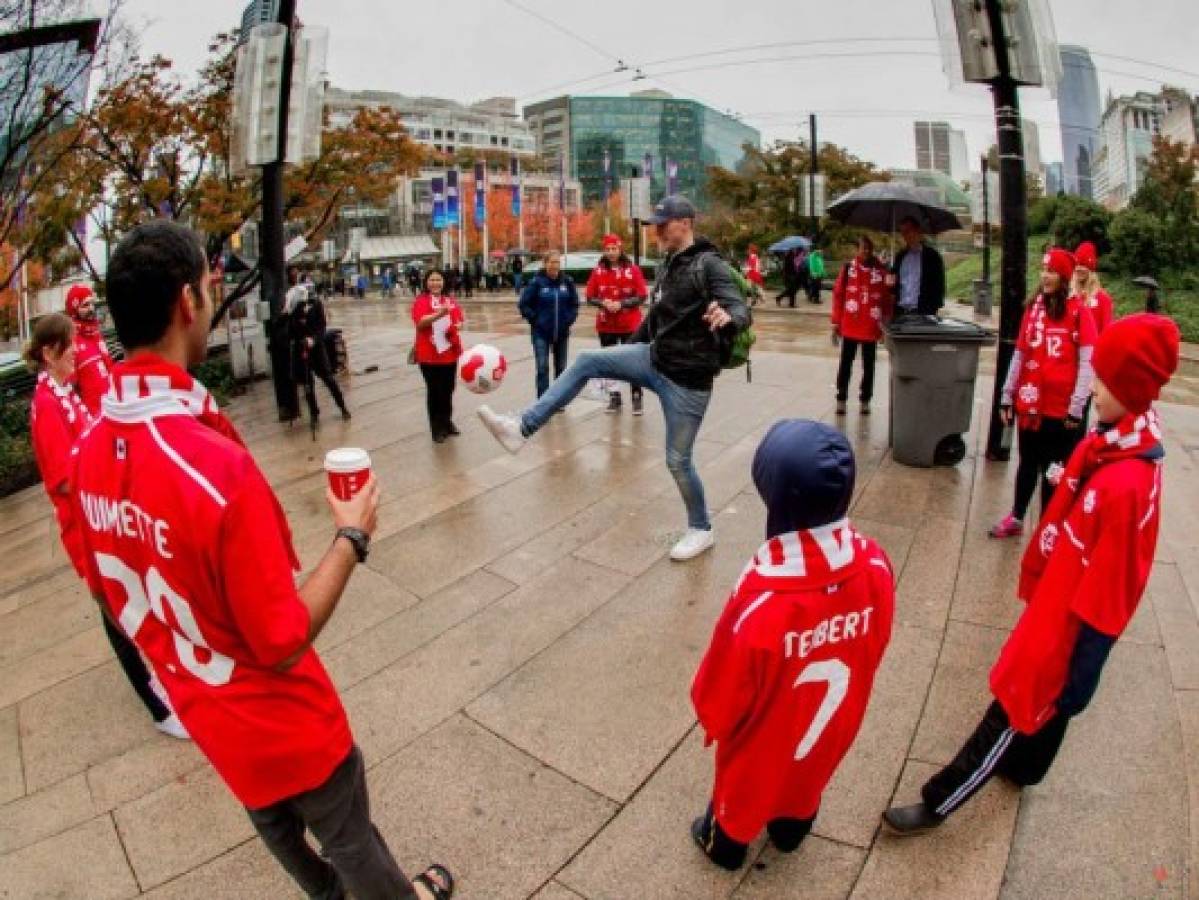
(1079,115)
(580,130)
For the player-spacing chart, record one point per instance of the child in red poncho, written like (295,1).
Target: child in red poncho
(784,685)
(1083,576)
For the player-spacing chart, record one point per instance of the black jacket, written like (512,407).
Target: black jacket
(684,348)
(932,280)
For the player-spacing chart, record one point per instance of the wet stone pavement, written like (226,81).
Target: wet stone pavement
(516,659)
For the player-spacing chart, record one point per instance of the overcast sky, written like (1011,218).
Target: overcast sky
(472,49)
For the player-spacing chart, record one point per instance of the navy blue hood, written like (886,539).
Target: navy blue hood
(805,472)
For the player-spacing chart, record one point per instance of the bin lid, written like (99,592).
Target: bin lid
(930,328)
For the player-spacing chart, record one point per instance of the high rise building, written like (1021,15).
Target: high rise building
(582,130)
(1078,111)
(1053,179)
(959,157)
(1180,118)
(444,125)
(258,12)
(1032,148)
(1128,127)
(940,148)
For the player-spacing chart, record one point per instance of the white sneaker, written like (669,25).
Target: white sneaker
(692,544)
(504,428)
(172,727)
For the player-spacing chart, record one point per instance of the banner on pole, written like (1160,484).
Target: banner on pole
(515,169)
(452,217)
(607,174)
(672,177)
(480,194)
(648,172)
(562,183)
(439,203)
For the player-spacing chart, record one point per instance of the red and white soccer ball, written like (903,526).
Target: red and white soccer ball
(482,368)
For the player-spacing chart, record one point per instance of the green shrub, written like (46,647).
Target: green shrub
(216,374)
(1139,244)
(1076,220)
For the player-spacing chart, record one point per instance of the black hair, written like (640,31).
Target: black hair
(1055,303)
(429,274)
(623,260)
(150,267)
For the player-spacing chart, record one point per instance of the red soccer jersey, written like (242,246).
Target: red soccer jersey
(753,269)
(93,366)
(784,685)
(1096,566)
(861,300)
(1050,352)
(618,283)
(1103,310)
(441,344)
(185,544)
(56,419)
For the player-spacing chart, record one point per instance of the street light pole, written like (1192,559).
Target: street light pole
(1013,210)
(273,263)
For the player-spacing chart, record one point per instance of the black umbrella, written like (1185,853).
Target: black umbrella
(882,205)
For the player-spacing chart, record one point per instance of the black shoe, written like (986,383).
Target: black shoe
(613,404)
(730,859)
(440,438)
(345,413)
(912,819)
(638,407)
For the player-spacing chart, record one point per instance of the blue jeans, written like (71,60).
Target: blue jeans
(682,408)
(541,358)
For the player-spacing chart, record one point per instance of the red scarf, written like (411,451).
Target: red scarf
(1131,437)
(88,328)
(73,411)
(149,376)
(806,560)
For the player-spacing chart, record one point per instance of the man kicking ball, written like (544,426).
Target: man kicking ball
(697,310)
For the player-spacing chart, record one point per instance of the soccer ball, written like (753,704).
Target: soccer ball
(482,368)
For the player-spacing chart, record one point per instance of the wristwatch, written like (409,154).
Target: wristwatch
(360,540)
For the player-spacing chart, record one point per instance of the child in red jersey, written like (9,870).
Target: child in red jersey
(1083,576)
(1047,385)
(784,685)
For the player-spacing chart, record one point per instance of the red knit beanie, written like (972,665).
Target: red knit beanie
(1135,357)
(611,240)
(75,297)
(1087,256)
(1058,260)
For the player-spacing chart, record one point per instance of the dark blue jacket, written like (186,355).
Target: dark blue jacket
(550,306)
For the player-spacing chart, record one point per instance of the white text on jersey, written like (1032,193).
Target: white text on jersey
(125,518)
(832,630)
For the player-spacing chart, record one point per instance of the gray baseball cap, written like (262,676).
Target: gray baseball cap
(676,206)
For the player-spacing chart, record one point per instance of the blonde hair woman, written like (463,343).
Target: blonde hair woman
(1085,284)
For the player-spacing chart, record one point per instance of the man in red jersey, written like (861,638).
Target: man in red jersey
(92,360)
(784,685)
(189,551)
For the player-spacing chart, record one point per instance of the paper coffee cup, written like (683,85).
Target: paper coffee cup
(348,469)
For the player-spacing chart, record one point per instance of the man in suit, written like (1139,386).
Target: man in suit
(918,274)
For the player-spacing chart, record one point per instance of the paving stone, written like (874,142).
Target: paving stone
(12,774)
(960,691)
(44,814)
(62,734)
(818,870)
(247,872)
(86,861)
(141,770)
(646,850)
(187,822)
(34,627)
(926,587)
(555,891)
(408,698)
(369,599)
(1179,628)
(500,820)
(962,860)
(1110,818)
(1188,715)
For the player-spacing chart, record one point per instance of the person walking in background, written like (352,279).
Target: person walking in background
(1085,284)
(617,288)
(753,266)
(1082,577)
(468,279)
(692,323)
(92,360)
(790,279)
(307,324)
(550,304)
(518,268)
(918,273)
(785,682)
(438,320)
(861,305)
(1047,385)
(57,417)
(815,274)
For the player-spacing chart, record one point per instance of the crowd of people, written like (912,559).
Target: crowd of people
(192,564)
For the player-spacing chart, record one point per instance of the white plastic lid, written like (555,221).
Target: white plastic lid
(347,459)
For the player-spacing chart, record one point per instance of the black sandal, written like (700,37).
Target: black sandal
(438,892)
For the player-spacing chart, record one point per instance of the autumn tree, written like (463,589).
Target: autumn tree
(1169,193)
(758,203)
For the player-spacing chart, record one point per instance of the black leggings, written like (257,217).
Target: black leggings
(318,367)
(135,670)
(849,350)
(1052,443)
(614,340)
(439,396)
(995,747)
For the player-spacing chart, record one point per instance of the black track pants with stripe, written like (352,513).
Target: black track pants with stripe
(995,748)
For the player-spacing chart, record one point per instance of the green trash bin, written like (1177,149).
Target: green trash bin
(934,363)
